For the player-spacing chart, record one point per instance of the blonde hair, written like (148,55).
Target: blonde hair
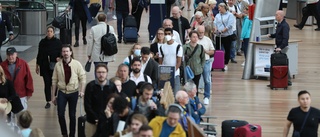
(140,117)
(211,2)
(157,40)
(134,45)
(2,76)
(36,132)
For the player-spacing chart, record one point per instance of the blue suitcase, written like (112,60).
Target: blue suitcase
(130,34)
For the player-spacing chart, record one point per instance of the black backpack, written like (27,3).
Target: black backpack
(108,44)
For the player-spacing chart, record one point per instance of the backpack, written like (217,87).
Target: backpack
(108,44)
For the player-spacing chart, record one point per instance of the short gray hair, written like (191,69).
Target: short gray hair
(189,86)
(179,94)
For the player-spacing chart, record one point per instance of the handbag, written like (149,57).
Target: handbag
(297,133)
(87,67)
(52,65)
(233,37)
(59,21)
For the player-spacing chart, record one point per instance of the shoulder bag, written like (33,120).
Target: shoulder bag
(297,133)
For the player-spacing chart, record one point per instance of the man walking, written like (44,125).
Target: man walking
(17,70)
(94,41)
(70,78)
(305,119)
(95,97)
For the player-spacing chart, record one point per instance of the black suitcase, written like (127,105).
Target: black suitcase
(228,127)
(130,21)
(279,59)
(94,9)
(66,33)
(81,122)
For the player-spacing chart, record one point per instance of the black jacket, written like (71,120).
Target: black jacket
(282,34)
(95,99)
(48,49)
(5,22)
(154,49)
(152,71)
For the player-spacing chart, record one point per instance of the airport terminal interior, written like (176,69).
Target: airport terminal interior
(232,97)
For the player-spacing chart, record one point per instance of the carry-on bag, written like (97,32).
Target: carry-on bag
(81,121)
(130,34)
(94,9)
(228,127)
(218,62)
(279,77)
(130,21)
(66,33)
(249,130)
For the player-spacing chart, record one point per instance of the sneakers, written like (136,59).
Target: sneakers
(47,105)
(119,41)
(114,17)
(317,29)
(206,101)
(243,63)
(76,44)
(225,67)
(200,90)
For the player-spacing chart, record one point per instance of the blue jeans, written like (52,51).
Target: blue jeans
(62,101)
(120,16)
(233,48)
(206,74)
(176,84)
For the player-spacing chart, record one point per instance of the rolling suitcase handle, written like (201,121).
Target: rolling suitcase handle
(81,105)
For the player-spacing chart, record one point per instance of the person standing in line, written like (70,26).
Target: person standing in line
(70,79)
(94,42)
(49,53)
(178,22)
(282,37)
(96,93)
(209,52)
(123,9)
(4,23)
(17,70)
(80,13)
(305,119)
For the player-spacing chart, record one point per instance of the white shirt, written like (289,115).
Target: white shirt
(140,78)
(143,66)
(233,8)
(206,44)
(170,55)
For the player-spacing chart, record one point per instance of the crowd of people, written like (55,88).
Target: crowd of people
(131,100)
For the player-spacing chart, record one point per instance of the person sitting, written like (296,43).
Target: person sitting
(196,107)
(168,126)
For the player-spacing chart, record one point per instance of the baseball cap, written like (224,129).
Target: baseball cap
(11,50)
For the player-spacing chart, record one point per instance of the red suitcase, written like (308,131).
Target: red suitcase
(279,77)
(249,130)
(218,62)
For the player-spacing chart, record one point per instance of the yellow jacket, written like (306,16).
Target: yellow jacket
(78,75)
(156,125)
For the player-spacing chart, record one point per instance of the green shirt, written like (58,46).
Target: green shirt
(197,61)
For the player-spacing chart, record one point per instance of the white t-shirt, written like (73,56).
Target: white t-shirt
(140,78)
(233,8)
(170,55)
(206,44)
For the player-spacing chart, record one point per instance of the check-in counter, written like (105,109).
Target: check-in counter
(262,53)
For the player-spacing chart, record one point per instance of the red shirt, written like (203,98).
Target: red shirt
(67,71)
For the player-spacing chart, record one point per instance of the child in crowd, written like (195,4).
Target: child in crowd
(245,33)
(25,120)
